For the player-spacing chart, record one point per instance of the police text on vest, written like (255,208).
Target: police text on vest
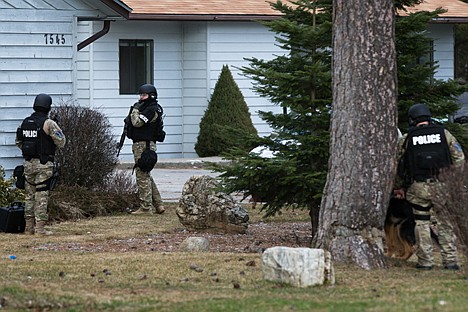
(30,133)
(427,139)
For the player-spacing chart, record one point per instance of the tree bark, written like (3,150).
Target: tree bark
(363,133)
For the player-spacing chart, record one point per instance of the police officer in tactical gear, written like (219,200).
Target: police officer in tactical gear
(38,136)
(143,127)
(426,149)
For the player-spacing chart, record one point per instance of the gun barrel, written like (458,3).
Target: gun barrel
(121,143)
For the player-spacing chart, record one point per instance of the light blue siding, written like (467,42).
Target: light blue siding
(444,42)
(37,54)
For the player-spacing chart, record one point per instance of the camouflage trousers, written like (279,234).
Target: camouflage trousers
(36,189)
(148,192)
(430,197)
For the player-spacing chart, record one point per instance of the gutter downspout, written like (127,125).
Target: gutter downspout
(95,37)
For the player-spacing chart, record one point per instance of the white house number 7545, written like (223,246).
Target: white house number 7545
(56,39)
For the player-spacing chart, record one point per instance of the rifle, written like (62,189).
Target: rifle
(127,121)
(122,139)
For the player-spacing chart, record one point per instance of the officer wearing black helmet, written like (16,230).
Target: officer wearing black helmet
(38,136)
(424,151)
(144,128)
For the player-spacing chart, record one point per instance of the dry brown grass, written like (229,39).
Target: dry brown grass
(457,205)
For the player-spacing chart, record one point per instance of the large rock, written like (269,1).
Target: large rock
(203,208)
(299,267)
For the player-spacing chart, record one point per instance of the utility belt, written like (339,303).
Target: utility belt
(143,140)
(46,185)
(427,180)
(43,158)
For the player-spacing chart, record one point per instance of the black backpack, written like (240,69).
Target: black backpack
(18,173)
(147,160)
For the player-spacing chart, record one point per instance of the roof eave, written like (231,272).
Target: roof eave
(119,7)
(200,17)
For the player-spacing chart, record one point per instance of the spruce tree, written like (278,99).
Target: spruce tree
(226,120)
(300,81)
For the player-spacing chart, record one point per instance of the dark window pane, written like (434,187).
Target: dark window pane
(135,64)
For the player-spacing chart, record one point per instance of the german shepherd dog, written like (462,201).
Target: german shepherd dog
(399,229)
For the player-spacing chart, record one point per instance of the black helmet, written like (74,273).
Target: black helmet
(42,103)
(418,113)
(148,89)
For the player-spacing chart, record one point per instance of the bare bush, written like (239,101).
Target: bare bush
(456,211)
(76,202)
(118,193)
(89,184)
(89,156)
(120,182)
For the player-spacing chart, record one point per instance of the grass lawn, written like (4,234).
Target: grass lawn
(103,278)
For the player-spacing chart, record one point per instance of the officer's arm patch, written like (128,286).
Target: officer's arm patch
(59,134)
(144,118)
(458,146)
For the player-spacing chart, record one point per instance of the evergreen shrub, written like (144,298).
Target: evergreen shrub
(8,193)
(226,119)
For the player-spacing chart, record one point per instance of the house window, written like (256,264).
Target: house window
(135,64)
(427,58)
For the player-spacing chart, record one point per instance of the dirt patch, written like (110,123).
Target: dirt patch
(258,237)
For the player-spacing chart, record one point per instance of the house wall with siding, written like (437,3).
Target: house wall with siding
(444,42)
(37,45)
(196,85)
(188,57)
(98,77)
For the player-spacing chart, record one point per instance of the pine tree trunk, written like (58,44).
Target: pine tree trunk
(363,133)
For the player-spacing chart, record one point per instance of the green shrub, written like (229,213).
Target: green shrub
(226,119)
(8,193)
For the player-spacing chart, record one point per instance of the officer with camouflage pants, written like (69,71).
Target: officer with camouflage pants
(143,129)
(37,137)
(150,199)
(426,149)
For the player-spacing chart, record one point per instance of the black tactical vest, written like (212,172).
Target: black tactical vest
(149,131)
(427,152)
(35,142)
